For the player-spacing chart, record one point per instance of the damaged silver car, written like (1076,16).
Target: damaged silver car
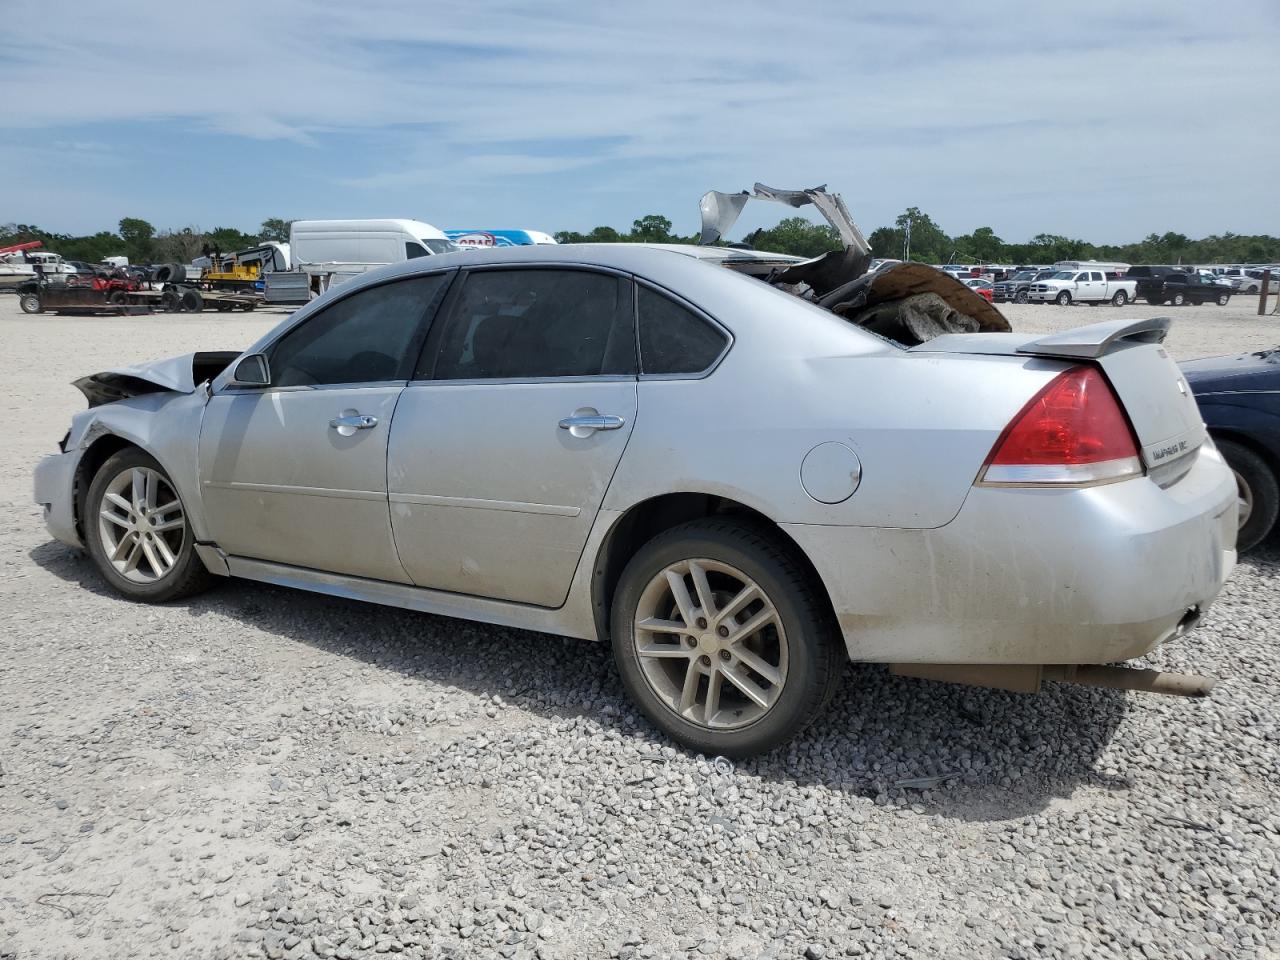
(737,468)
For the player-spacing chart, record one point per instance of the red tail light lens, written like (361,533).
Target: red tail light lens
(1072,432)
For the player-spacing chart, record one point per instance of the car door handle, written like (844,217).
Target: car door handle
(359,421)
(585,423)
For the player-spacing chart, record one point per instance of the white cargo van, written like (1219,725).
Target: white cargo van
(329,252)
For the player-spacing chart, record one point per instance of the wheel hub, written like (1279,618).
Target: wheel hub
(710,644)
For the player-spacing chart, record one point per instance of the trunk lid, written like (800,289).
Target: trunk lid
(1148,383)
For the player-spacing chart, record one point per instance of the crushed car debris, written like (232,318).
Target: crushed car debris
(909,303)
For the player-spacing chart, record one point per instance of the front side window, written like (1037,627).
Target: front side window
(674,339)
(413,250)
(363,338)
(533,324)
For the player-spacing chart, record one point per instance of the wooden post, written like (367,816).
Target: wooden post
(1262,294)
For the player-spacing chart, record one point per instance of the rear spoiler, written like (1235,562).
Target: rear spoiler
(1097,339)
(1083,343)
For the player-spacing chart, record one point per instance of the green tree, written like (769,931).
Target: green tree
(797,236)
(927,242)
(982,245)
(139,239)
(273,228)
(652,228)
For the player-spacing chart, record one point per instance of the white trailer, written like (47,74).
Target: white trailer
(325,253)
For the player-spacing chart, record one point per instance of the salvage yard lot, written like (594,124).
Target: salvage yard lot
(259,772)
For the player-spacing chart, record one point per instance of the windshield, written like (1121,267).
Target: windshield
(1025,275)
(1064,275)
(440,246)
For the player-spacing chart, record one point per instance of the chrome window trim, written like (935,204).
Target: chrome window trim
(237,390)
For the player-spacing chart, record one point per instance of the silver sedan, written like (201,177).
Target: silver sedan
(738,489)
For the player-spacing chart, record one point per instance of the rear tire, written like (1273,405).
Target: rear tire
(154,547)
(1259,493)
(791,661)
(1120,299)
(1063,299)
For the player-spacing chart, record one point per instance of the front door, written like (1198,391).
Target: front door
(503,447)
(295,472)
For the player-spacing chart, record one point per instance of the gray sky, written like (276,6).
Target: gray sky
(1099,120)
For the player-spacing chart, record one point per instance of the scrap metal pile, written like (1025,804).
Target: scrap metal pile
(906,302)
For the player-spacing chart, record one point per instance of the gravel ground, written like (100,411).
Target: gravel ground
(259,772)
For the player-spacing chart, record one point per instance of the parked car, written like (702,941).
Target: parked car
(1239,398)
(1250,281)
(1180,288)
(1016,287)
(979,286)
(734,487)
(1082,286)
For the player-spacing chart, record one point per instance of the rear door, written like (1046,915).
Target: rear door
(296,472)
(504,444)
(1090,285)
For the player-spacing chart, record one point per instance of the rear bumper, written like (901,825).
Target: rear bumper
(1035,576)
(55,492)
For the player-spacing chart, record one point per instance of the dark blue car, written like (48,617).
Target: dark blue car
(1239,398)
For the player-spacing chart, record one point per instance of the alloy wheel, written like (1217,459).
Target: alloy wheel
(1244,499)
(710,644)
(141,524)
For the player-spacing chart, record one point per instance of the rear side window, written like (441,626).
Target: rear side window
(363,338)
(674,339)
(525,324)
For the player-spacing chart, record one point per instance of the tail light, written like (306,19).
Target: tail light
(1072,432)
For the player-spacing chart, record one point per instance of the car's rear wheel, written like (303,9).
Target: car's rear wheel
(1259,493)
(1064,299)
(1120,299)
(137,531)
(722,638)
(1179,299)
(31,303)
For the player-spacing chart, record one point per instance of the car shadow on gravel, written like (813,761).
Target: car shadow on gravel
(999,755)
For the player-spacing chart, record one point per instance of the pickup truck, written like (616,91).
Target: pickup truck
(1082,286)
(1015,288)
(1178,288)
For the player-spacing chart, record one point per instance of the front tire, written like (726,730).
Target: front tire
(1120,299)
(723,639)
(1020,297)
(1223,299)
(1259,493)
(1063,299)
(137,531)
(31,303)
(1179,299)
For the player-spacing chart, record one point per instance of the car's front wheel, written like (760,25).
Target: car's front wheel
(1020,297)
(137,530)
(1223,299)
(1064,299)
(1258,491)
(31,303)
(722,638)
(1179,299)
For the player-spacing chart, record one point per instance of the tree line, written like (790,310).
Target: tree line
(142,243)
(929,243)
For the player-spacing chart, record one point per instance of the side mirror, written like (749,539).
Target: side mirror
(252,371)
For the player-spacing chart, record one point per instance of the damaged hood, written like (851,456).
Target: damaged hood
(175,375)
